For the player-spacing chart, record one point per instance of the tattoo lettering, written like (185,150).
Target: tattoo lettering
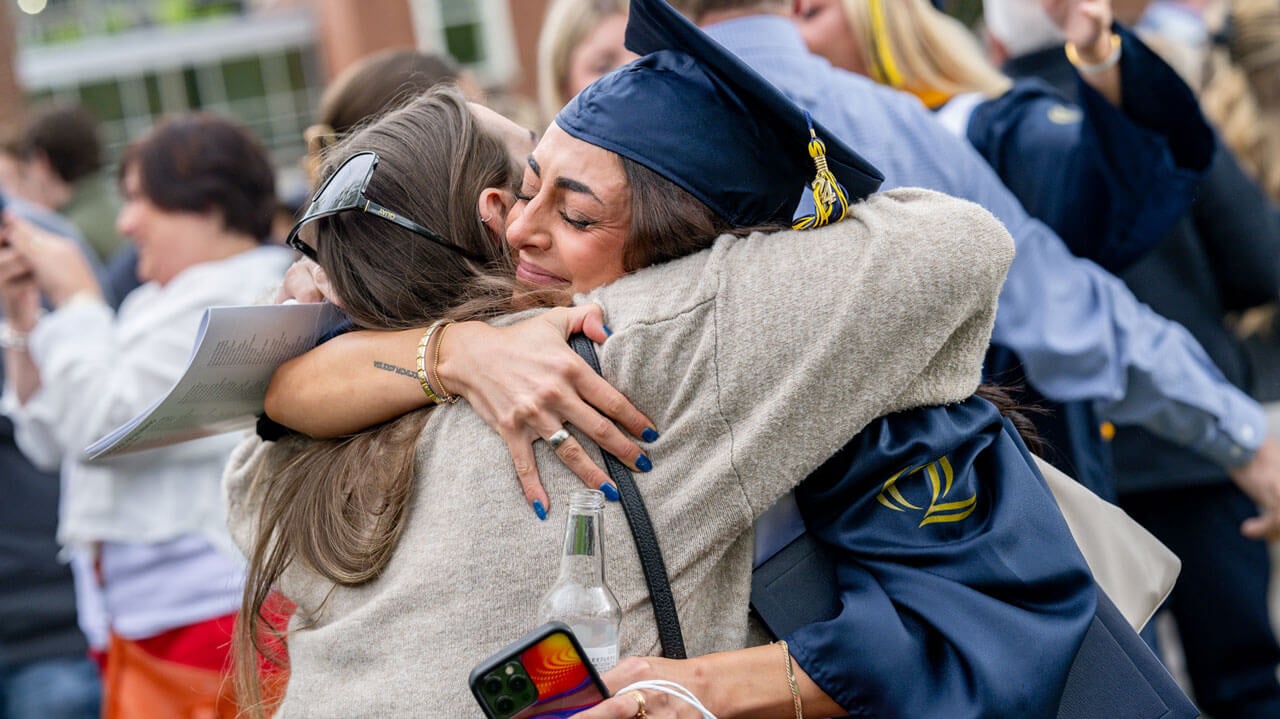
(388,367)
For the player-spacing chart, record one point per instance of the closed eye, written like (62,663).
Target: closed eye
(579,224)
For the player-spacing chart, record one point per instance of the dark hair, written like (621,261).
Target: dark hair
(368,89)
(666,221)
(202,162)
(1005,398)
(68,137)
(381,82)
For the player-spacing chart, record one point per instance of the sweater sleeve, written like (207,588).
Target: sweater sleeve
(239,498)
(888,310)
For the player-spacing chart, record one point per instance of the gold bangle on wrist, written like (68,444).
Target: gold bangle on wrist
(422,363)
(1093,68)
(445,394)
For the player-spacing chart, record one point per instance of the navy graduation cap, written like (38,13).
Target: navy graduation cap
(694,113)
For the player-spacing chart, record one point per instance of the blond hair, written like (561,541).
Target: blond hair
(1241,92)
(565,25)
(911,45)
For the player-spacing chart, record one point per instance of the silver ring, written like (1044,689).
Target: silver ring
(558,438)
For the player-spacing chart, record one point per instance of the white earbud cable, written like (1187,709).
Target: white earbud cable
(663,686)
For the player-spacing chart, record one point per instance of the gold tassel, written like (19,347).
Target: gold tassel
(828,196)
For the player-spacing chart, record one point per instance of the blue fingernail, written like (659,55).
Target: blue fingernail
(607,332)
(610,492)
(539,510)
(649,434)
(643,464)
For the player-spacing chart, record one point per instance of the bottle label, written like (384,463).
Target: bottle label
(602,658)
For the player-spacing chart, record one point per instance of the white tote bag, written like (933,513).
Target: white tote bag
(1130,564)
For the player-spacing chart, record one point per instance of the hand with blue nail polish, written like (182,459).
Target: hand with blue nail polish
(527,384)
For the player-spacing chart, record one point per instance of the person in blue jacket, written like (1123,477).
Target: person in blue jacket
(1110,174)
(1077,330)
(1220,257)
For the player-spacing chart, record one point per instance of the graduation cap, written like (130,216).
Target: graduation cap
(694,113)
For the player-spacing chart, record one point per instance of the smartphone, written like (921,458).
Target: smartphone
(543,675)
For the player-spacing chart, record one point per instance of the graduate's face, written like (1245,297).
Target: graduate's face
(572,215)
(826,30)
(600,51)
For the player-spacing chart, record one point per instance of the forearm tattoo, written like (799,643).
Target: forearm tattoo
(388,367)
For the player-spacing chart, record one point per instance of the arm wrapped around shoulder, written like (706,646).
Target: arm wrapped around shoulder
(895,303)
(822,331)
(954,255)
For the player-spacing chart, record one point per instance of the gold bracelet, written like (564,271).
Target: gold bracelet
(791,680)
(445,394)
(422,363)
(1073,55)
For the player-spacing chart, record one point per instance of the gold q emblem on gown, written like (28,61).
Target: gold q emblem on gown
(941,477)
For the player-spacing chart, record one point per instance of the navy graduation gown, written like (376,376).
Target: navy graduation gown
(962,592)
(1110,181)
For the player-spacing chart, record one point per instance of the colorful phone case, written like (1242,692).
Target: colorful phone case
(541,676)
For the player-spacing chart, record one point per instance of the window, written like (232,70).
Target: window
(475,32)
(261,71)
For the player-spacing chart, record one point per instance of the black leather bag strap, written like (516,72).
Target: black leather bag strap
(655,570)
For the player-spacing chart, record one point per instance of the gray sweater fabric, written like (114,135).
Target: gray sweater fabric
(757,359)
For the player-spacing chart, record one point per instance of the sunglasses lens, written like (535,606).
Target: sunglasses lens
(343,189)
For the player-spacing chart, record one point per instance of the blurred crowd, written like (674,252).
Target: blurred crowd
(1138,172)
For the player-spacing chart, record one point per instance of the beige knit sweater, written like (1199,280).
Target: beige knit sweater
(756,359)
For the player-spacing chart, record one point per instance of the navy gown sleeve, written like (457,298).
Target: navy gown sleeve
(1110,181)
(962,593)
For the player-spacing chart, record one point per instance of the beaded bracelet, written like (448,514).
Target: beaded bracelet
(422,363)
(1117,44)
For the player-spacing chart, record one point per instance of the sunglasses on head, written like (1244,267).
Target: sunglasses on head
(344,191)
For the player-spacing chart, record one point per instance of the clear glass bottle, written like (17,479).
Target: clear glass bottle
(580,597)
